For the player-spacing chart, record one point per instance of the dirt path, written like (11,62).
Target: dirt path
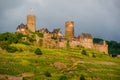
(79,62)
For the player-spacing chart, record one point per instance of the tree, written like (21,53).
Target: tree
(11,49)
(113,47)
(47,74)
(97,40)
(4,44)
(82,77)
(84,52)
(38,51)
(19,35)
(9,37)
(39,34)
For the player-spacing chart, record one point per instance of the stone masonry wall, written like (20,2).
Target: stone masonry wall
(87,43)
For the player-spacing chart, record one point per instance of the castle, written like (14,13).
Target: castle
(56,39)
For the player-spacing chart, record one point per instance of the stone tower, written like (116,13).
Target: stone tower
(69,29)
(31,23)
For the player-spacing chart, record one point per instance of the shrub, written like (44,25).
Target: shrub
(31,39)
(67,44)
(26,43)
(82,77)
(94,55)
(54,37)
(19,35)
(38,51)
(20,50)
(47,74)
(40,42)
(4,44)
(9,37)
(84,52)
(39,34)
(11,49)
(63,78)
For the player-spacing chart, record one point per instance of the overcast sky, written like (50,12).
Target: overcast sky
(101,18)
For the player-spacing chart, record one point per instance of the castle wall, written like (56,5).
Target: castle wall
(62,44)
(31,23)
(101,47)
(48,35)
(49,43)
(23,31)
(69,29)
(73,44)
(87,43)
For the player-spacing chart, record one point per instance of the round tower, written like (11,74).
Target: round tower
(31,23)
(69,29)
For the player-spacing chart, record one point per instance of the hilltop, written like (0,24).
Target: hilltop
(19,58)
(59,64)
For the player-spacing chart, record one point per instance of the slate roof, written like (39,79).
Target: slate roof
(21,26)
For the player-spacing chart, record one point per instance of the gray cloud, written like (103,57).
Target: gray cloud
(98,17)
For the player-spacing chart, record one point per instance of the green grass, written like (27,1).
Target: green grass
(101,67)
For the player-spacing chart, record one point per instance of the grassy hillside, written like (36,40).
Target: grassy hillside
(59,64)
